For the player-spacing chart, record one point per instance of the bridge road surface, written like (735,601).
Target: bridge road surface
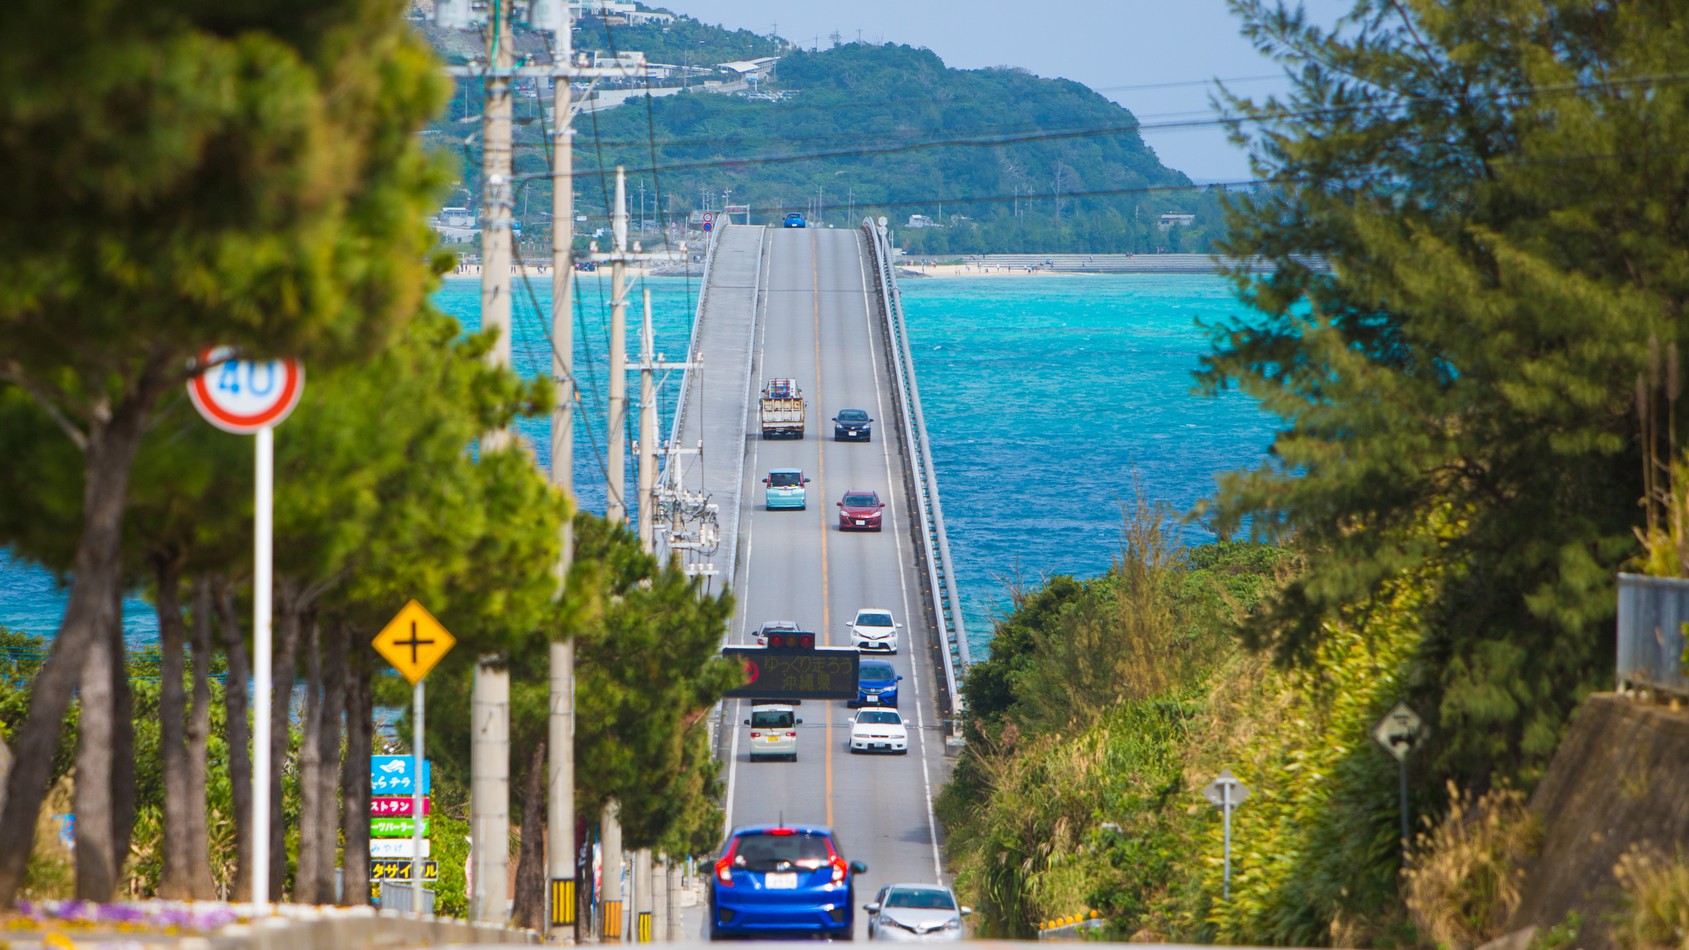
(817,321)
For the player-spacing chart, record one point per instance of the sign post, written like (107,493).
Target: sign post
(1398,732)
(252,397)
(1227,793)
(413,641)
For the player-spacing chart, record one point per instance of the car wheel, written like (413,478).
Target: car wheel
(792,758)
(878,529)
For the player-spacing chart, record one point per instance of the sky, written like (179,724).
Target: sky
(1157,58)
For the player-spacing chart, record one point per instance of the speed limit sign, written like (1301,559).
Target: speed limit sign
(709,220)
(243,396)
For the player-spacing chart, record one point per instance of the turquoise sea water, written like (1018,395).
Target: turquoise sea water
(1046,399)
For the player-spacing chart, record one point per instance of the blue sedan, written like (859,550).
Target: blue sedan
(777,881)
(795,219)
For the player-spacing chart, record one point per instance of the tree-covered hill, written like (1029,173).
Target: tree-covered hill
(998,159)
(1002,159)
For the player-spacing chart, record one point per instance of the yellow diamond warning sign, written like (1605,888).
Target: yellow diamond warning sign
(413,642)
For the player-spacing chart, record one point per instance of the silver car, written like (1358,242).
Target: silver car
(915,912)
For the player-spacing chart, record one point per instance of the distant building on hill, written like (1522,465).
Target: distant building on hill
(1168,220)
(754,70)
(921,221)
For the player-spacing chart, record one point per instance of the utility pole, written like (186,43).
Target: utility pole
(560,728)
(617,430)
(642,903)
(489,784)
(647,429)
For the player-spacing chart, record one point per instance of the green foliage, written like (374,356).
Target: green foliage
(1495,184)
(1656,893)
(1026,809)
(847,104)
(449,833)
(648,671)
(681,42)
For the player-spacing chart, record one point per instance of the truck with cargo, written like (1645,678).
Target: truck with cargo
(781,410)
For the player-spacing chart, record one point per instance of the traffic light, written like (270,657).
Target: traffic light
(791,641)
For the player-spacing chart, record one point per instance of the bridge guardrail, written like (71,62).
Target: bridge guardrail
(941,575)
(1653,614)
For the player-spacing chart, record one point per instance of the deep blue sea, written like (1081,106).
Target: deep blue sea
(1047,399)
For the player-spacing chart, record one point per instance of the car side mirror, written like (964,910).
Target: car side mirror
(900,678)
(872,908)
(851,720)
(747,722)
(857,867)
(798,721)
(765,481)
(881,505)
(966,911)
(806,481)
(841,504)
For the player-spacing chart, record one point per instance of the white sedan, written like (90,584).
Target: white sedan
(878,730)
(873,630)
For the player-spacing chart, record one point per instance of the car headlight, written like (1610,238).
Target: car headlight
(954,923)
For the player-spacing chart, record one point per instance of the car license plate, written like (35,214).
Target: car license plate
(773,738)
(860,522)
(786,881)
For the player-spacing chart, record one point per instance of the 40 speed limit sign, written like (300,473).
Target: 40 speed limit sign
(243,396)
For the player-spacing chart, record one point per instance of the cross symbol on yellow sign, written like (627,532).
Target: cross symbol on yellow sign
(413,641)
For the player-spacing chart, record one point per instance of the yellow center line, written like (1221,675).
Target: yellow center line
(821,480)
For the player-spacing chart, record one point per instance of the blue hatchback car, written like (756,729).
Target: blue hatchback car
(778,880)
(794,219)
(876,684)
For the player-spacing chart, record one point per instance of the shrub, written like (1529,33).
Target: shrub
(1656,894)
(1464,881)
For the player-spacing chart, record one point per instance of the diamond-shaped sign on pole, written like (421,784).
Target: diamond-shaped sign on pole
(1226,790)
(413,641)
(1399,731)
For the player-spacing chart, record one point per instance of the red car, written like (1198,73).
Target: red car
(860,511)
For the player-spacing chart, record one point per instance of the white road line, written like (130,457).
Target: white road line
(903,582)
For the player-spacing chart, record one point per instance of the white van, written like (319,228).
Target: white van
(774,733)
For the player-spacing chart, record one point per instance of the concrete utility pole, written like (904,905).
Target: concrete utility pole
(617,502)
(560,746)
(489,786)
(676,929)
(610,907)
(642,903)
(647,429)
(660,896)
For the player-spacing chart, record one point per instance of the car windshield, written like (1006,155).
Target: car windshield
(785,479)
(853,415)
(767,852)
(771,718)
(923,899)
(877,717)
(877,672)
(779,625)
(861,501)
(873,620)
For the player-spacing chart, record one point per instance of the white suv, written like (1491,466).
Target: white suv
(774,733)
(874,631)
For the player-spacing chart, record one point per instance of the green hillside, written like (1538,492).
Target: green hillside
(1006,160)
(999,159)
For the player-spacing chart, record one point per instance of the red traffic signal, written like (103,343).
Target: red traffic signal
(791,641)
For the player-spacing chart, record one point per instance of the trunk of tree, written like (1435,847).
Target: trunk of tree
(122,749)
(529,910)
(286,622)
(201,886)
(172,728)
(308,879)
(239,736)
(96,868)
(328,753)
(354,775)
(97,569)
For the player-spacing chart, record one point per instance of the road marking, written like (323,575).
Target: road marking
(903,583)
(821,479)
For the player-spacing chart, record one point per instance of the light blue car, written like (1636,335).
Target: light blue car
(785,489)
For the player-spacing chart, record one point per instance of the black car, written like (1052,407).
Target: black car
(852,425)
